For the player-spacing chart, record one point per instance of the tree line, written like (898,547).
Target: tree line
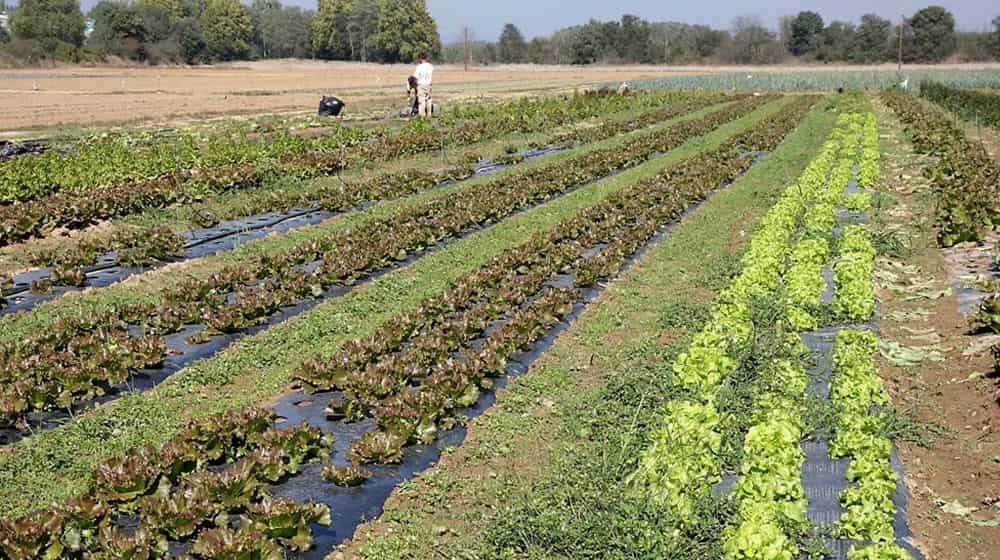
(202,31)
(929,36)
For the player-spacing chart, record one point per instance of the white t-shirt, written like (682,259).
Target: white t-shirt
(424,74)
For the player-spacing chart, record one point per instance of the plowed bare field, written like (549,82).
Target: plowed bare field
(39,99)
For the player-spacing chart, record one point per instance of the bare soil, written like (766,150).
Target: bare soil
(38,98)
(954,478)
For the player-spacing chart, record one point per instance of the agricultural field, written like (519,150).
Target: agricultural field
(668,324)
(57,101)
(827,78)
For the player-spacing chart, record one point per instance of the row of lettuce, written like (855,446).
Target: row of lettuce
(752,338)
(119,159)
(988,315)
(964,177)
(208,486)
(981,108)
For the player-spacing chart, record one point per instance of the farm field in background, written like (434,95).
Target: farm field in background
(830,77)
(726,316)
(40,99)
(54,101)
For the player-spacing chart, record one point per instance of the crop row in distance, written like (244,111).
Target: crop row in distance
(978,107)
(965,177)
(821,80)
(236,166)
(981,108)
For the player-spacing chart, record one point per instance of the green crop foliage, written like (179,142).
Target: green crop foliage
(976,106)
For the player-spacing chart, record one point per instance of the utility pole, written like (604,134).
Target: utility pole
(902,20)
(466,40)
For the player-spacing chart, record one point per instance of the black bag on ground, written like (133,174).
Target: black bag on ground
(12,149)
(330,106)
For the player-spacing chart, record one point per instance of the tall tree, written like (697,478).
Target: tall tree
(49,21)
(785,31)
(872,40)
(285,33)
(634,34)
(676,42)
(405,29)
(227,29)
(541,50)
(588,42)
(330,29)
(511,46)
(156,21)
(115,25)
(4,36)
(996,36)
(836,41)
(705,41)
(932,35)
(752,43)
(362,26)
(974,46)
(190,41)
(262,13)
(805,33)
(173,7)
(192,8)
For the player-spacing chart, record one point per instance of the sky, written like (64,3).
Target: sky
(542,17)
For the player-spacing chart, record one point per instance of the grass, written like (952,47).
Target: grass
(559,442)
(56,465)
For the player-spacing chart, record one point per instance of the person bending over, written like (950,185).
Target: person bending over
(413,96)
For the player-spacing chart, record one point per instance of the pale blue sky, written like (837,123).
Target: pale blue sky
(541,17)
